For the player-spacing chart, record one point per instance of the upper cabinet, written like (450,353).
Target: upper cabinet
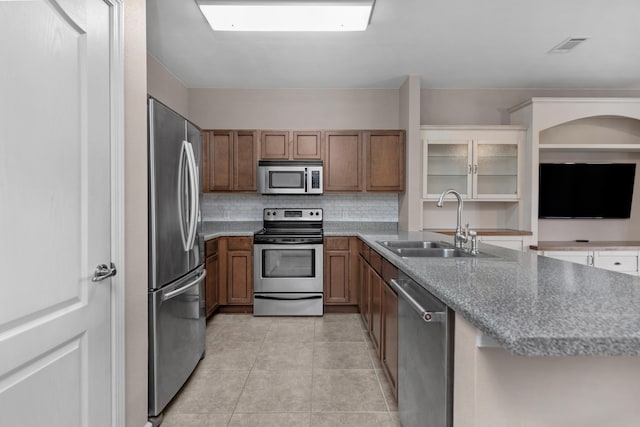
(482,163)
(229,160)
(384,160)
(370,161)
(354,160)
(290,145)
(343,162)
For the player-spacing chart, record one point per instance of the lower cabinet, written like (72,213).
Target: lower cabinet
(239,270)
(390,336)
(340,270)
(627,262)
(378,306)
(212,265)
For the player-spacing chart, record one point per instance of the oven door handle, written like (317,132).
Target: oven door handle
(287,299)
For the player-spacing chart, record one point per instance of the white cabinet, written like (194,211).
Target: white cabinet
(579,257)
(518,243)
(621,261)
(481,163)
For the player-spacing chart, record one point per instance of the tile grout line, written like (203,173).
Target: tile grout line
(249,374)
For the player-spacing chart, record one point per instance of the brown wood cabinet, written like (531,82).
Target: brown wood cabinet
(274,144)
(235,257)
(239,270)
(229,160)
(306,145)
(375,327)
(389,353)
(290,145)
(343,161)
(378,305)
(384,160)
(212,265)
(340,270)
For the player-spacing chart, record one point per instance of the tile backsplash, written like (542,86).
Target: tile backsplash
(336,207)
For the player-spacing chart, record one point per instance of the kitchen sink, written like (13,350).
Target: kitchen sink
(432,253)
(428,249)
(413,244)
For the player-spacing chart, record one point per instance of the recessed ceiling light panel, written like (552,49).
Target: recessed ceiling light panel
(283,15)
(568,44)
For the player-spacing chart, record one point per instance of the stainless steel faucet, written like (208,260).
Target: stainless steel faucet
(460,238)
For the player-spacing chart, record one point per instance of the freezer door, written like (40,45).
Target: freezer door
(176,337)
(174,195)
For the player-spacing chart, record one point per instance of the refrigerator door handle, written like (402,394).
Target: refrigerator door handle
(184,288)
(181,193)
(194,187)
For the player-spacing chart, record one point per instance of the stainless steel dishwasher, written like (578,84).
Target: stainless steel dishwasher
(425,355)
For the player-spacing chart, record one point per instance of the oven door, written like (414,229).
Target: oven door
(288,268)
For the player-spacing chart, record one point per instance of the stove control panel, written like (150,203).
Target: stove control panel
(286,214)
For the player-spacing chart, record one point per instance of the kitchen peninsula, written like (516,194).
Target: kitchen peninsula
(538,341)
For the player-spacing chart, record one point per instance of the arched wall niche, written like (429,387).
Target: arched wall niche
(605,129)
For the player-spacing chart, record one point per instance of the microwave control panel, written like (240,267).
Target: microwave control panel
(315,179)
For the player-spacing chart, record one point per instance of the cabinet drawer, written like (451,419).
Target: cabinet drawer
(616,262)
(211,247)
(336,243)
(240,243)
(376,261)
(364,250)
(389,271)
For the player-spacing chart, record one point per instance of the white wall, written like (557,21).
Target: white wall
(166,88)
(135,44)
(410,204)
(294,108)
(490,106)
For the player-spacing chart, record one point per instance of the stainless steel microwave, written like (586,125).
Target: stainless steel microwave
(290,177)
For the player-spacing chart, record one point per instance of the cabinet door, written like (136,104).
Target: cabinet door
(495,169)
(336,270)
(274,145)
(239,277)
(363,300)
(212,300)
(343,162)
(245,162)
(375,327)
(390,336)
(384,160)
(622,261)
(447,164)
(218,161)
(307,145)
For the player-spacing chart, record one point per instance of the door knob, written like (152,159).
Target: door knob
(103,271)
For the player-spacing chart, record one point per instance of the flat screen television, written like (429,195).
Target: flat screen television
(586,190)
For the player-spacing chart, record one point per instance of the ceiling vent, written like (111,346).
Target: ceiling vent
(568,44)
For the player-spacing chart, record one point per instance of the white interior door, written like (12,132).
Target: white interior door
(55,204)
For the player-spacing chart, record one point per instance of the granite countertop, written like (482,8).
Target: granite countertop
(631,245)
(532,305)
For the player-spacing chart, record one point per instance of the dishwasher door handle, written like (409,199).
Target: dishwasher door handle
(427,316)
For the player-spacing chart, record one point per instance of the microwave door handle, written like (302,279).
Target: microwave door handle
(306,180)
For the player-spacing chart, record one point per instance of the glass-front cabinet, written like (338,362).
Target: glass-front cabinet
(481,164)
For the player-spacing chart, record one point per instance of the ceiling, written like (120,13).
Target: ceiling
(448,43)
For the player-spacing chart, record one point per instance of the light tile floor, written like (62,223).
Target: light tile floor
(286,371)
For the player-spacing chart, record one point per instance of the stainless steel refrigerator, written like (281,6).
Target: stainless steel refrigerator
(176,254)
